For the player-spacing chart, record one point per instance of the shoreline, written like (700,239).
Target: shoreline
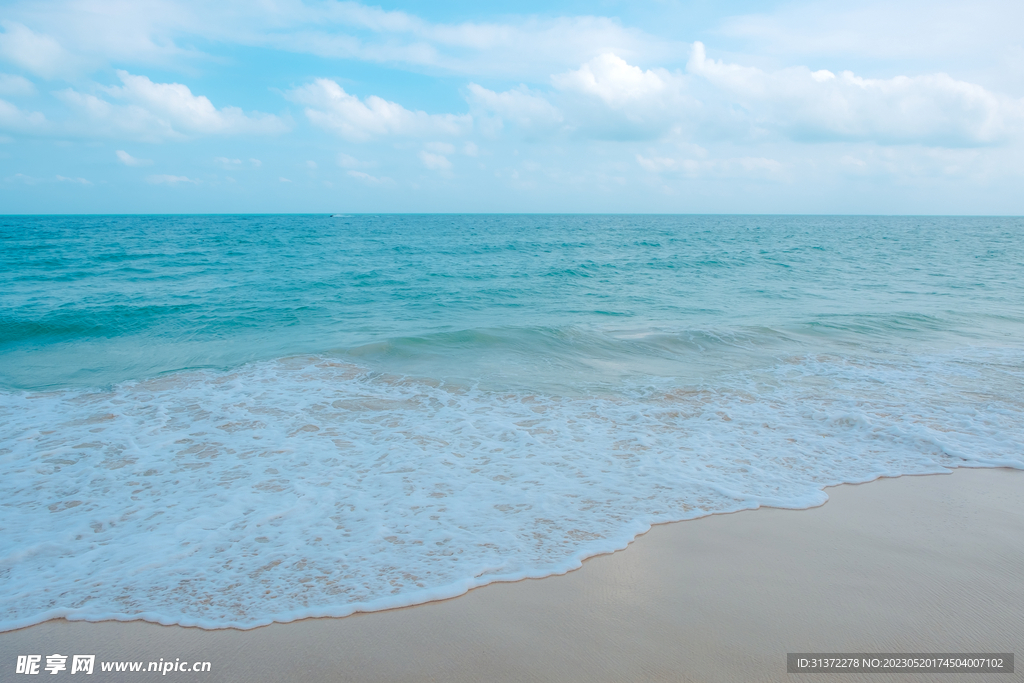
(917,563)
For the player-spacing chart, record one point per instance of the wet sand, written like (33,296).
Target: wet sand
(914,564)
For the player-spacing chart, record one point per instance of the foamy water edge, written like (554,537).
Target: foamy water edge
(638,435)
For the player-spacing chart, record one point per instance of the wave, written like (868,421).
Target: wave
(106,346)
(318,486)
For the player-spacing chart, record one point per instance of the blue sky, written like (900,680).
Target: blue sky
(114,106)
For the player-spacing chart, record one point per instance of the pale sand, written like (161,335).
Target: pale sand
(915,564)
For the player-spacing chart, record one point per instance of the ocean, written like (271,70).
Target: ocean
(225,421)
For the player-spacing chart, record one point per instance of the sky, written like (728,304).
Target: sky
(281,106)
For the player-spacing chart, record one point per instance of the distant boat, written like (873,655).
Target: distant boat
(340,215)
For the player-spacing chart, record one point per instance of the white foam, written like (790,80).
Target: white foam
(308,487)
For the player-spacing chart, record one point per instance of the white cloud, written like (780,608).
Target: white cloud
(16,86)
(520,106)
(747,167)
(229,164)
(931,109)
(75,181)
(915,29)
(470,149)
(283,180)
(29,180)
(347,161)
(191,113)
(22,178)
(906,164)
(169,180)
(331,108)
(369,179)
(14,119)
(128,160)
(96,33)
(612,79)
(530,47)
(163,31)
(659,164)
(95,116)
(435,162)
(312,165)
(608,98)
(157,111)
(34,52)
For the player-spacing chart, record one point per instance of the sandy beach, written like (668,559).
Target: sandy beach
(914,564)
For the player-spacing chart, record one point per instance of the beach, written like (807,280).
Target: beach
(438,342)
(909,564)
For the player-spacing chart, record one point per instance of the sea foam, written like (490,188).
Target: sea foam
(313,486)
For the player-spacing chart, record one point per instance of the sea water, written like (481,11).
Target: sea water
(225,421)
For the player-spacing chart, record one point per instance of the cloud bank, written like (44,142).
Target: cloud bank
(466,103)
(140,109)
(328,106)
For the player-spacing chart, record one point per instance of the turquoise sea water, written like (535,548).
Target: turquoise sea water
(229,420)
